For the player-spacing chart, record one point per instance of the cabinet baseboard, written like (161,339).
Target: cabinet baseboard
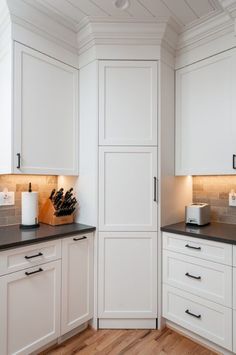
(127,323)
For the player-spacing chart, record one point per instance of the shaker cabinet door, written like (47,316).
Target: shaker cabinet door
(128,103)
(128,189)
(77,281)
(30,308)
(205,116)
(127,275)
(45,114)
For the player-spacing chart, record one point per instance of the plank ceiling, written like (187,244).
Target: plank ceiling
(185,12)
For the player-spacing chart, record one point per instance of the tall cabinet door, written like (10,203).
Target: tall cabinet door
(77,281)
(128,103)
(128,189)
(30,308)
(205,116)
(45,114)
(127,275)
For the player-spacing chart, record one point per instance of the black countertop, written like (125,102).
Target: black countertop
(13,236)
(220,232)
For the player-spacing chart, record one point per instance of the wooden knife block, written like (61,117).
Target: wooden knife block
(46,215)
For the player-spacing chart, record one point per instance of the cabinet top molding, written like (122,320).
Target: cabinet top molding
(104,33)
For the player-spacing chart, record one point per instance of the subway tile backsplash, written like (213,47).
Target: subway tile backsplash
(18,183)
(215,191)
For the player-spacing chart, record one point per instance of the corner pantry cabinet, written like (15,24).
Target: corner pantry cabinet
(128,194)
(44,132)
(205,116)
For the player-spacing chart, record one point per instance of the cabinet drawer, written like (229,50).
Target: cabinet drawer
(21,258)
(200,248)
(234,288)
(203,278)
(234,331)
(234,255)
(205,318)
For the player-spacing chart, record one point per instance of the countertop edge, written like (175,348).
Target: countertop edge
(200,236)
(18,244)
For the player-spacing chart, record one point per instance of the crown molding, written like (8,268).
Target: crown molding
(110,32)
(229,6)
(5,27)
(40,23)
(206,32)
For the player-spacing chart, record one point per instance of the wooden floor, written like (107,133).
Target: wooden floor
(128,342)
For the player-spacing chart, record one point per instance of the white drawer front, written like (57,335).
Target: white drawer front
(234,255)
(234,331)
(205,318)
(203,278)
(200,248)
(234,288)
(31,255)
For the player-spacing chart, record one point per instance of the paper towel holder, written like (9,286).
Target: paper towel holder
(30,226)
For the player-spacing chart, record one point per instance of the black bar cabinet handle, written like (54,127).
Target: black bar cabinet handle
(33,272)
(33,256)
(76,239)
(192,276)
(155,189)
(234,156)
(191,247)
(18,160)
(192,314)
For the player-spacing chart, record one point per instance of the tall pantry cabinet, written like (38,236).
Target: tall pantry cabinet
(124,172)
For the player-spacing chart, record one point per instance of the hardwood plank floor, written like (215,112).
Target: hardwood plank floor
(128,342)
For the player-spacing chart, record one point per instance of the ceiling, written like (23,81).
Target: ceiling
(184,12)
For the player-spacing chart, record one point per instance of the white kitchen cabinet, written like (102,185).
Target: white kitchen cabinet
(207,319)
(127,275)
(128,189)
(30,308)
(199,248)
(203,278)
(205,116)
(12,260)
(77,281)
(234,331)
(128,103)
(45,115)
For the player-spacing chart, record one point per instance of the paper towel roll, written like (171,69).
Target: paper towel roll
(29,208)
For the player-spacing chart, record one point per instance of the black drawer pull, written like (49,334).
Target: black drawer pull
(33,256)
(191,247)
(33,272)
(234,156)
(192,276)
(192,314)
(18,160)
(76,239)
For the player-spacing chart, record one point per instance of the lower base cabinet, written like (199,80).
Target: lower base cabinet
(30,308)
(77,282)
(208,319)
(127,275)
(199,287)
(42,300)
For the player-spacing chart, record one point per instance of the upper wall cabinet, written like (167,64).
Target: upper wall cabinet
(128,103)
(45,114)
(38,114)
(206,116)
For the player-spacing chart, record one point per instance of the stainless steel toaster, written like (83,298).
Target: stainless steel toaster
(197,213)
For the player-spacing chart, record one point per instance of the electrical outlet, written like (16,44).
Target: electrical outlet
(232,198)
(7,198)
